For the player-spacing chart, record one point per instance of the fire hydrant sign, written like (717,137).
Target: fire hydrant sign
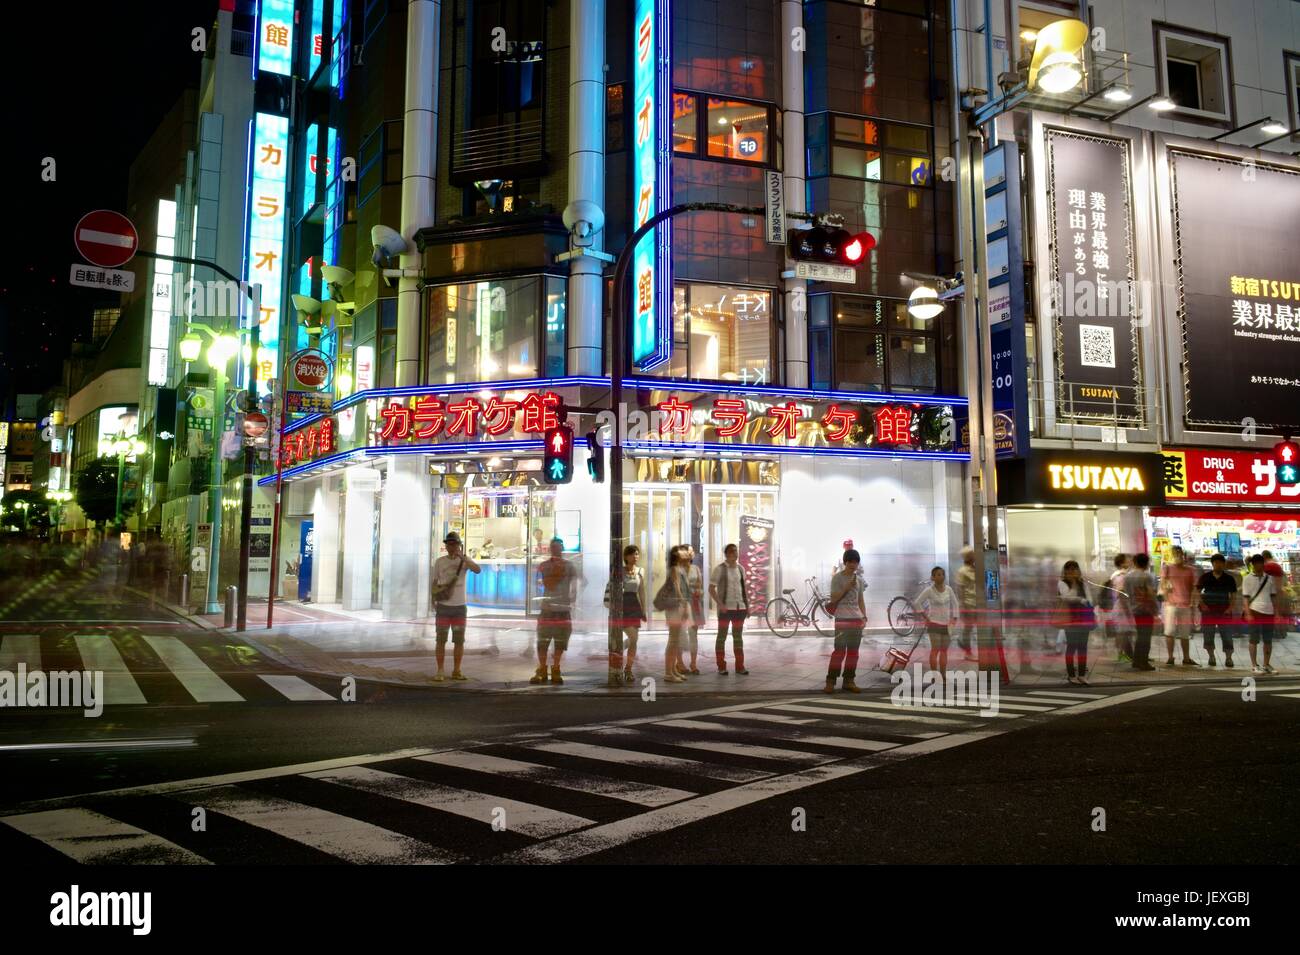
(311,370)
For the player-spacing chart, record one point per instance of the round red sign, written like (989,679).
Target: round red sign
(255,424)
(106,238)
(311,371)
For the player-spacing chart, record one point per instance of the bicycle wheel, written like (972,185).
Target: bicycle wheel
(782,617)
(903,618)
(823,619)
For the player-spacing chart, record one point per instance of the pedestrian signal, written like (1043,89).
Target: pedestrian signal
(557,462)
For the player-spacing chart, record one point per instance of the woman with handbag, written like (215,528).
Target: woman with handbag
(633,618)
(1077,618)
(674,601)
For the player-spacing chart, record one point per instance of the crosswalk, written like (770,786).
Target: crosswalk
(142,668)
(1289,691)
(533,797)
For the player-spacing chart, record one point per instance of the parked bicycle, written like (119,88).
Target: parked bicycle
(785,616)
(904,617)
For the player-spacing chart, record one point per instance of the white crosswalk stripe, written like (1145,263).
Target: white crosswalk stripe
(100,653)
(560,797)
(16,648)
(294,687)
(195,675)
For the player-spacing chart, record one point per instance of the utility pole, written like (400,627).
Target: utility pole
(246,502)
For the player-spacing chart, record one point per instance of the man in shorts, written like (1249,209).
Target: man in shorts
(1259,595)
(449,603)
(557,582)
(1178,581)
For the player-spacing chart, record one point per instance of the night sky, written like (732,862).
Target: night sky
(85,83)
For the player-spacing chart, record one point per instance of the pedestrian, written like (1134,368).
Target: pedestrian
(1259,593)
(968,593)
(674,601)
(848,605)
(633,617)
(691,635)
(938,604)
(1177,581)
(1140,591)
(1218,598)
(1110,601)
(557,582)
(728,592)
(1077,620)
(448,591)
(1283,615)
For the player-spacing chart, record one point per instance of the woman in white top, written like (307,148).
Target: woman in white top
(633,616)
(678,611)
(938,603)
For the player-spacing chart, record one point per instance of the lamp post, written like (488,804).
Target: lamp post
(58,500)
(123,447)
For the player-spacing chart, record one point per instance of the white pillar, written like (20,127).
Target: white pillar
(405,532)
(325,527)
(585,212)
(419,165)
(794,165)
(358,538)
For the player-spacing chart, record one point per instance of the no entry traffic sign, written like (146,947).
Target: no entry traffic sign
(106,238)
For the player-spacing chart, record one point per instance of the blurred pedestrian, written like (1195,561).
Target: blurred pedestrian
(938,604)
(1260,596)
(848,605)
(448,591)
(1218,598)
(691,634)
(557,582)
(1110,601)
(968,593)
(674,601)
(728,593)
(633,618)
(1177,581)
(1077,620)
(1140,594)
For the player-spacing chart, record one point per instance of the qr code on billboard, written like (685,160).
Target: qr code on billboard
(1097,346)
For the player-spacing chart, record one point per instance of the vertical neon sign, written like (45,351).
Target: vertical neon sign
(266,218)
(652,190)
(275,37)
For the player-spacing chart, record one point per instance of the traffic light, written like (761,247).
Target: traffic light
(557,463)
(833,246)
(1286,457)
(595,459)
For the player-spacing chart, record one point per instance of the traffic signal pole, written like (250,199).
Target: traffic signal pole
(246,508)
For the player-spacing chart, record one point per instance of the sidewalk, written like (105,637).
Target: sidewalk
(500,654)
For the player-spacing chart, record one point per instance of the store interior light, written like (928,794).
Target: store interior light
(924,303)
(1273,128)
(1118,94)
(1060,73)
(1162,104)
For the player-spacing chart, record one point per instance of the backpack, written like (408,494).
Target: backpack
(1106,599)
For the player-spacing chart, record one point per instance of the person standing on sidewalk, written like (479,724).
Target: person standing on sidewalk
(1178,580)
(1077,620)
(1111,602)
(1260,595)
(632,580)
(968,593)
(849,606)
(674,600)
(448,587)
(1140,590)
(728,593)
(938,603)
(1218,597)
(557,582)
(1283,615)
(691,635)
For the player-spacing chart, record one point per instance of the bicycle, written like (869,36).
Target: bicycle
(784,616)
(904,618)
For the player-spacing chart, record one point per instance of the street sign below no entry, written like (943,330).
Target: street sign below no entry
(106,238)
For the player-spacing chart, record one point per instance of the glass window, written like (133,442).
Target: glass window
(556,361)
(860,360)
(737,130)
(872,345)
(615,129)
(869,149)
(912,365)
(485,331)
(721,333)
(685,123)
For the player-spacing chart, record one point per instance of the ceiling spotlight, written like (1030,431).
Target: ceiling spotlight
(1118,94)
(1272,128)
(1059,73)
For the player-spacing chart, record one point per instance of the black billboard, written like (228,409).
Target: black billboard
(1093,300)
(1237,247)
(1059,477)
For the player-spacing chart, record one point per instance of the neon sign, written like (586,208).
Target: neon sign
(266,218)
(308,443)
(651,185)
(275,37)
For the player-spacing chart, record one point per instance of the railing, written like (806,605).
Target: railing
(1127,407)
(498,148)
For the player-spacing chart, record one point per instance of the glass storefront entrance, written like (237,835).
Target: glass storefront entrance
(723,509)
(657,521)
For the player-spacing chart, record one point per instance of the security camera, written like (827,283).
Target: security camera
(583,219)
(388,245)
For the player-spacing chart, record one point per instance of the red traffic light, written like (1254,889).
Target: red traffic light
(1286,452)
(856,248)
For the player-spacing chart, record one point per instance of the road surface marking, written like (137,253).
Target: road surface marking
(578,844)
(17,648)
(757,752)
(1264,687)
(95,745)
(536,821)
(945,708)
(99,653)
(631,757)
(340,836)
(1100,704)
(1067,694)
(873,715)
(712,711)
(195,675)
(641,794)
(1290,696)
(767,718)
(842,742)
(94,839)
(295,687)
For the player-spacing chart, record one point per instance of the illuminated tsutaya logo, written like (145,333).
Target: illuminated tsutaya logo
(1083,477)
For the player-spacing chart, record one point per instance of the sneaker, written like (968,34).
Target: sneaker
(1147,665)
(1227,661)
(1083,681)
(1256,668)
(627,677)
(723,671)
(1213,662)
(694,671)
(741,671)
(674,678)
(457,675)
(1073,680)
(851,687)
(1170,662)
(1125,658)
(830,686)
(539,676)
(1268,668)
(555,676)
(1189,662)
(438,677)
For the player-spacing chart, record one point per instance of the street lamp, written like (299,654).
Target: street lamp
(58,500)
(124,447)
(1056,65)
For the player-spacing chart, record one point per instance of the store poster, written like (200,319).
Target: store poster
(757,539)
(306,550)
(1237,229)
(1098,375)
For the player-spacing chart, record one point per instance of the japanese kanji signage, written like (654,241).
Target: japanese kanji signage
(1215,475)
(1235,240)
(465,418)
(275,37)
(1092,273)
(266,218)
(652,192)
(309,443)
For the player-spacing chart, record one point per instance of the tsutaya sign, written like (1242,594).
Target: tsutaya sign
(1082,477)
(1068,477)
